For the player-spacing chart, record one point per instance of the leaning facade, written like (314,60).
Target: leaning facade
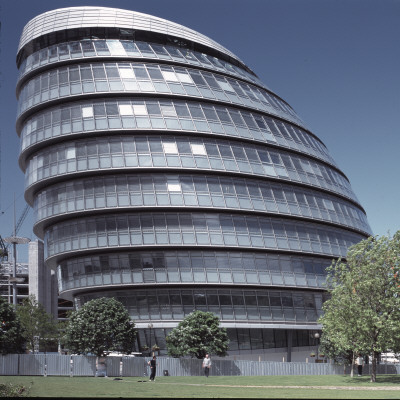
(164,173)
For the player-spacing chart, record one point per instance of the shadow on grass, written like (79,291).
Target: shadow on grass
(393,379)
(383,379)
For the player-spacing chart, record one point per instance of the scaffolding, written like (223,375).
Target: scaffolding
(21,281)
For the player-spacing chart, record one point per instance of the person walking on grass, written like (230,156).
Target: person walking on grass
(360,363)
(153,368)
(207,365)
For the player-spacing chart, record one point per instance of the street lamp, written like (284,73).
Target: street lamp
(150,326)
(316,336)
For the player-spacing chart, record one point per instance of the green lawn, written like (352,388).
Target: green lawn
(336,387)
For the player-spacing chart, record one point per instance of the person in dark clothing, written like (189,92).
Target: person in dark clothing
(153,368)
(360,363)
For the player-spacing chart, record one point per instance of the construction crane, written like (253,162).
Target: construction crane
(22,218)
(3,246)
(3,250)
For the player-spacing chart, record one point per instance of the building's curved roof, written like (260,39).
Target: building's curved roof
(84,17)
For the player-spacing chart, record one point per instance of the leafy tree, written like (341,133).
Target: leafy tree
(363,312)
(11,340)
(38,327)
(340,329)
(198,334)
(100,326)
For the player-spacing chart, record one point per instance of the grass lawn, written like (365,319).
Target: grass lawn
(318,387)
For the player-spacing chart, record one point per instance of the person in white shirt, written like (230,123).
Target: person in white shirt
(360,363)
(207,365)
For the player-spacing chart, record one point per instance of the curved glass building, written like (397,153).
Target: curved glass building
(163,172)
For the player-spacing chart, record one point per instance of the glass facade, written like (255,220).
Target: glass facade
(164,173)
(216,268)
(149,114)
(84,79)
(229,305)
(210,192)
(173,152)
(114,48)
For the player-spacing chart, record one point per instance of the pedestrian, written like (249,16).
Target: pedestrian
(207,365)
(360,363)
(153,368)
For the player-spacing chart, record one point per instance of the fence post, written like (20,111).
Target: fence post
(71,367)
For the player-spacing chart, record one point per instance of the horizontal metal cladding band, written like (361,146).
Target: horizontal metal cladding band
(78,18)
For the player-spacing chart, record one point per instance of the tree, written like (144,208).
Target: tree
(100,326)
(38,327)
(363,312)
(339,338)
(11,340)
(198,334)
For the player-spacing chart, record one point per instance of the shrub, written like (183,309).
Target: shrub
(12,390)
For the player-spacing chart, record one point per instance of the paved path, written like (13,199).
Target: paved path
(291,387)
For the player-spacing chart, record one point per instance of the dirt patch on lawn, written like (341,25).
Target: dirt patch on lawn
(291,387)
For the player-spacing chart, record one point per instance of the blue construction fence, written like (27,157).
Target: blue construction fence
(112,366)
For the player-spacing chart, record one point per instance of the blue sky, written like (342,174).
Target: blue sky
(336,62)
